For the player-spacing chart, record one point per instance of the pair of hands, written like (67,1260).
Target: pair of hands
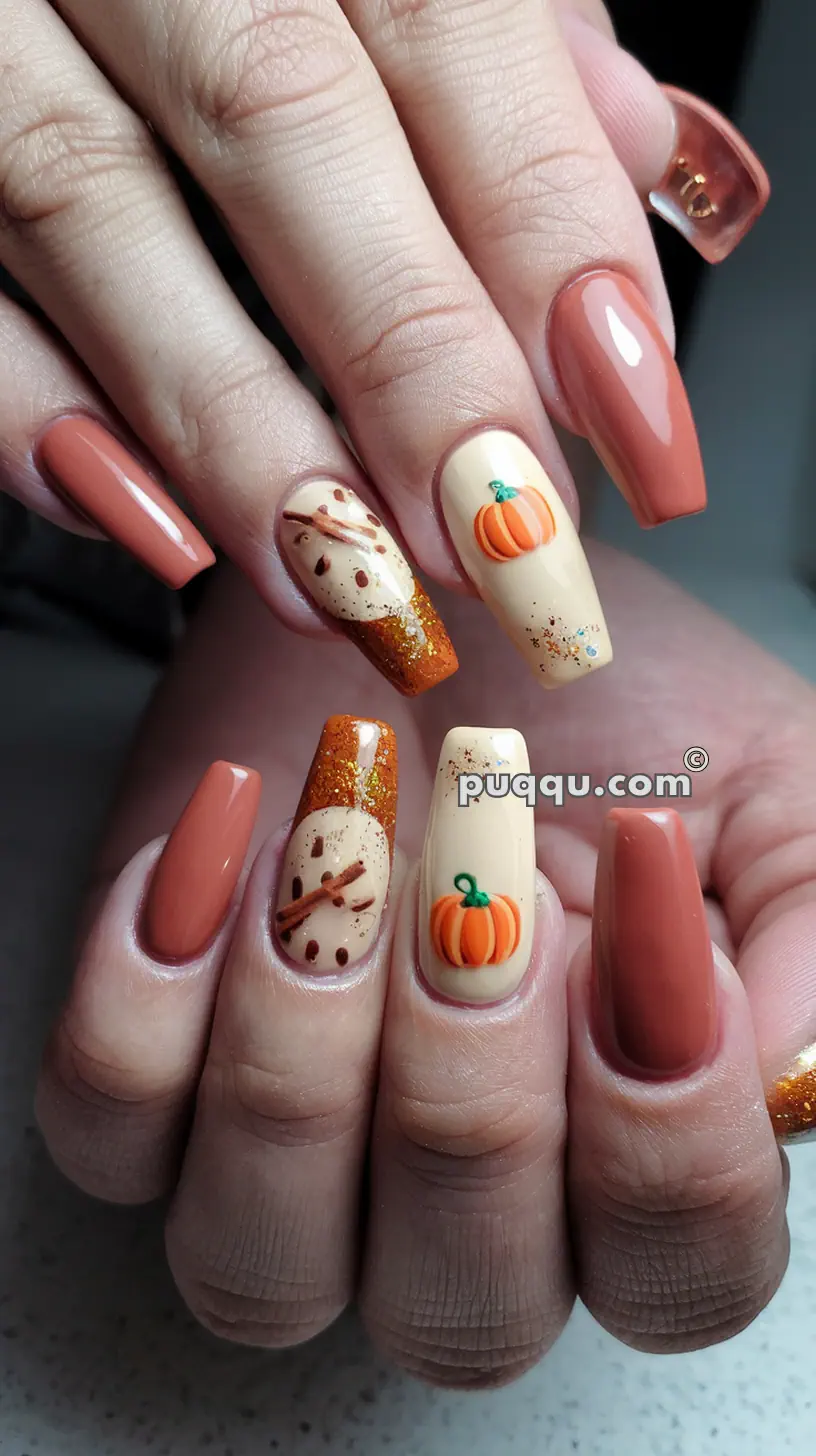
(497,1179)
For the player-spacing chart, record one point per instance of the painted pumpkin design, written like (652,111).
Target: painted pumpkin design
(516,522)
(477,930)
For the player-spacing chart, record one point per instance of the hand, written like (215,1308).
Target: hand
(453,233)
(500,1185)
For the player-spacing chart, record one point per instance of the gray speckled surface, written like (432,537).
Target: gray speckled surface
(97,1355)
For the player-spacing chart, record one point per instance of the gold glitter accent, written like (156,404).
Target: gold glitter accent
(792,1100)
(354,767)
(410,646)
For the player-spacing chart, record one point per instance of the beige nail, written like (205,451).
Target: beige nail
(517,543)
(353,568)
(477,882)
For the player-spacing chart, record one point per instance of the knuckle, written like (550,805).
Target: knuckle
(252,64)
(275,1107)
(422,328)
(678,1263)
(51,161)
(478,1138)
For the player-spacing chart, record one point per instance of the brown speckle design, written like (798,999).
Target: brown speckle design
(361,905)
(338,495)
(361,578)
(382,549)
(317,847)
(286,936)
(322,566)
(324,510)
(375,521)
(341,956)
(312,950)
(326,875)
(297,887)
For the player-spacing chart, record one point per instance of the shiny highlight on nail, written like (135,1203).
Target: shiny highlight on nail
(791,1100)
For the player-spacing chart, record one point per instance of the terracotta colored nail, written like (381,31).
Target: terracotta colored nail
(100,477)
(651,948)
(715,187)
(477,881)
(792,1100)
(337,867)
(515,539)
(625,389)
(353,568)
(194,881)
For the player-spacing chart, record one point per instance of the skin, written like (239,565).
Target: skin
(487,1160)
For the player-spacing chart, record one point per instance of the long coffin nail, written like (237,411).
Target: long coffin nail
(715,187)
(195,879)
(651,948)
(334,881)
(625,389)
(477,882)
(792,1100)
(517,543)
(87,465)
(353,568)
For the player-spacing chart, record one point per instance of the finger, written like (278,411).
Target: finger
(466,1280)
(145,307)
(548,218)
(124,1057)
(263,1232)
(686,160)
(285,124)
(676,1189)
(765,872)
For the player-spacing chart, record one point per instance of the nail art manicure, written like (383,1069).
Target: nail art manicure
(353,568)
(334,882)
(87,465)
(792,1100)
(195,879)
(517,543)
(625,389)
(651,948)
(477,881)
(715,187)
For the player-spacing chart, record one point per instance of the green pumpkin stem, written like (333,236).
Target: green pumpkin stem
(474,896)
(503,492)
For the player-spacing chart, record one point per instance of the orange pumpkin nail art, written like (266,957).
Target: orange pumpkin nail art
(517,521)
(477,930)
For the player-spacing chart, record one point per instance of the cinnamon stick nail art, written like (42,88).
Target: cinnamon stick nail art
(792,1100)
(353,569)
(337,867)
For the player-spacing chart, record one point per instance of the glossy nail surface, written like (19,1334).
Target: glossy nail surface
(715,187)
(792,1100)
(100,477)
(195,879)
(337,867)
(516,541)
(353,569)
(625,389)
(651,948)
(477,881)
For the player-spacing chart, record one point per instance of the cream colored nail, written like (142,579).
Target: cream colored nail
(337,867)
(517,543)
(477,882)
(353,568)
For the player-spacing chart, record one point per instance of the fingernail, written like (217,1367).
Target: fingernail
(517,543)
(715,187)
(651,948)
(477,881)
(100,477)
(625,389)
(792,1100)
(195,879)
(334,882)
(353,569)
